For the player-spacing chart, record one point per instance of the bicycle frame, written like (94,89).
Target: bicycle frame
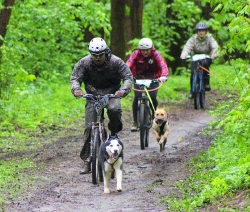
(144,114)
(197,87)
(197,80)
(99,133)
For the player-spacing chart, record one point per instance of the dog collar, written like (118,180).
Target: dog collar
(112,164)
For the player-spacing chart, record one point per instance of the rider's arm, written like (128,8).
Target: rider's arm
(214,47)
(131,62)
(188,48)
(76,77)
(163,67)
(126,76)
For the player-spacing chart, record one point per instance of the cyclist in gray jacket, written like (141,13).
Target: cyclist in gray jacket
(201,43)
(102,73)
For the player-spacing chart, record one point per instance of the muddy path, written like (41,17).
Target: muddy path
(147,174)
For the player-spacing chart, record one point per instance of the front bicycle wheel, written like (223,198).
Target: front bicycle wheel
(202,99)
(142,126)
(148,118)
(95,165)
(196,100)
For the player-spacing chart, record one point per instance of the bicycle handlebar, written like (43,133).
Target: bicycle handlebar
(96,97)
(146,83)
(197,57)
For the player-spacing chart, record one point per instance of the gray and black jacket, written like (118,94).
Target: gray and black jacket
(101,80)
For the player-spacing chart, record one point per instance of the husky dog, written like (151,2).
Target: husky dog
(161,125)
(111,159)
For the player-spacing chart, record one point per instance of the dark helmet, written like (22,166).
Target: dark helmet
(201,26)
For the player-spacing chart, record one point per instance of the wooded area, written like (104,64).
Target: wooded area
(40,42)
(63,29)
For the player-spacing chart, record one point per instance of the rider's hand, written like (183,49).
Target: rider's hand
(120,93)
(183,56)
(78,93)
(214,55)
(163,79)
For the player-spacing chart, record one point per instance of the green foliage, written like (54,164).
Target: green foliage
(160,20)
(46,39)
(12,179)
(236,13)
(225,167)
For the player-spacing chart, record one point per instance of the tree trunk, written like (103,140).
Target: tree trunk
(5,14)
(136,18)
(118,44)
(133,22)
(175,49)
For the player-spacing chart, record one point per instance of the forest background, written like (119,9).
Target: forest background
(40,41)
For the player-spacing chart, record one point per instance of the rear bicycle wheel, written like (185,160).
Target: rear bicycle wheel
(142,126)
(95,165)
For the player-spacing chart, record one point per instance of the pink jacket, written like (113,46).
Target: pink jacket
(151,67)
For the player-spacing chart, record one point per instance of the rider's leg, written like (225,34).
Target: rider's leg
(206,64)
(193,68)
(115,115)
(135,109)
(90,116)
(190,96)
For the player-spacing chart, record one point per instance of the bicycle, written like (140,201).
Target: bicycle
(144,114)
(197,87)
(99,133)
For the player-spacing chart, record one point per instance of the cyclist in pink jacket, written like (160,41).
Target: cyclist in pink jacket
(146,63)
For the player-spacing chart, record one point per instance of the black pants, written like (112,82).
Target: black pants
(153,96)
(206,64)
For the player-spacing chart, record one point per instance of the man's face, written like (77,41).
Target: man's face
(201,33)
(145,52)
(98,58)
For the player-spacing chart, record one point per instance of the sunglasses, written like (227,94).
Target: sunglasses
(98,55)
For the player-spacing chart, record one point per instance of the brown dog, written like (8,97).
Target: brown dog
(161,125)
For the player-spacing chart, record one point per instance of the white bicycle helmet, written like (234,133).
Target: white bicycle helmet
(145,43)
(97,45)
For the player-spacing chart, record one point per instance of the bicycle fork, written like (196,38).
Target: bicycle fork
(197,82)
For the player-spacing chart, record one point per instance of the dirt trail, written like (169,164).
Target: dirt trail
(148,174)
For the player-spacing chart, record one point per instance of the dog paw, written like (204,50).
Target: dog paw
(119,189)
(106,191)
(161,141)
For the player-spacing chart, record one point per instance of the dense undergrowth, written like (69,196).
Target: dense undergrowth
(224,169)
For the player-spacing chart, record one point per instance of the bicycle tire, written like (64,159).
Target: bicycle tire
(196,100)
(148,124)
(202,99)
(95,166)
(142,126)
